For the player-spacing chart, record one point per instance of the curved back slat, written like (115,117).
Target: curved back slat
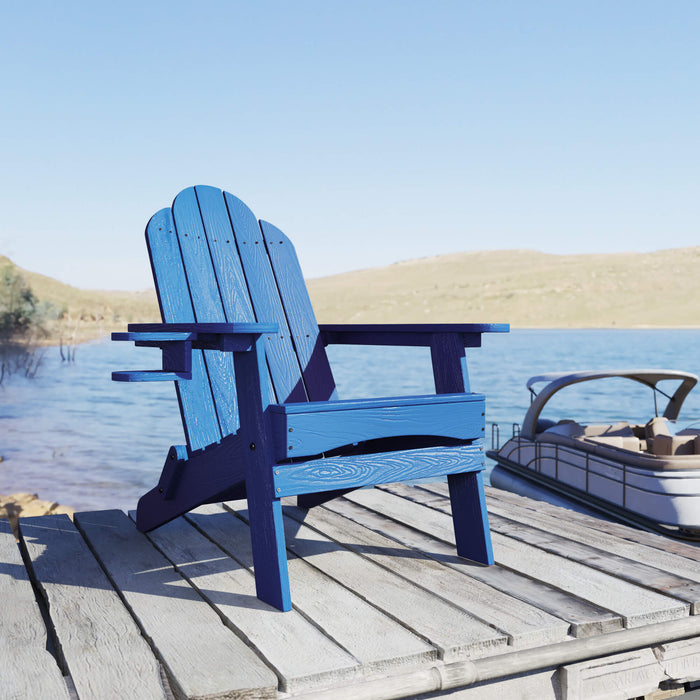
(262,286)
(199,418)
(206,302)
(299,312)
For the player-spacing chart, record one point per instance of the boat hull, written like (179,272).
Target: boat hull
(657,496)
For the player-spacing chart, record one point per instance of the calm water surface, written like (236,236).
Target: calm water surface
(74,436)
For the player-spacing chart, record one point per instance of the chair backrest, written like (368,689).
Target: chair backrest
(213,262)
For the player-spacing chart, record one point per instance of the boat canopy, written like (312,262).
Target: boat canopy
(648,377)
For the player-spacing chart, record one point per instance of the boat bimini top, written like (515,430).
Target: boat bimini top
(648,377)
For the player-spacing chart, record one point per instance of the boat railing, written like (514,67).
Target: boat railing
(563,456)
(496,434)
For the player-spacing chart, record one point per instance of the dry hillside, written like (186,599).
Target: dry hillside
(521,287)
(88,314)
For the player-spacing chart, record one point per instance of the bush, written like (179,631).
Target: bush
(21,314)
(22,318)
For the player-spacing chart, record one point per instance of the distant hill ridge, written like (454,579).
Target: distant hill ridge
(525,288)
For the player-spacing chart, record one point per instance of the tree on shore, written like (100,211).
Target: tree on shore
(22,318)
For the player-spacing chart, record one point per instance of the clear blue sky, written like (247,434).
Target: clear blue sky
(370,132)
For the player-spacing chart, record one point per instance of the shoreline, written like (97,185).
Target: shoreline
(27,505)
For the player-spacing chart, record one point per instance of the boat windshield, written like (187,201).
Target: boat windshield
(650,393)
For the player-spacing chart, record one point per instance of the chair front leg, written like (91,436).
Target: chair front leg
(470,518)
(264,509)
(467,498)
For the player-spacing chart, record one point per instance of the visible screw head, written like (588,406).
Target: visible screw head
(279,490)
(252,445)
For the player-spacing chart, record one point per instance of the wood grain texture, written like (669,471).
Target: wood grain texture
(525,625)
(369,580)
(282,360)
(301,434)
(224,253)
(27,669)
(315,368)
(215,264)
(454,632)
(99,641)
(642,569)
(267,534)
(365,470)
(605,534)
(197,409)
(230,588)
(375,640)
(430,532)
(206,302)
(636,605)
(201,656)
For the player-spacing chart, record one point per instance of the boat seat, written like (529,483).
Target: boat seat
(627,442)
(676,445)
(621,429)
(657,426)
(565,428)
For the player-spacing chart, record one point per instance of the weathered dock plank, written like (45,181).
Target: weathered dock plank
(101,646)
(378,642)
(583,619)
(27,669)
(230,588)
(635,571)
(637,605)
(673,563)
(524,624)
(202,657)
(618,531)
(454,632)
(430,533)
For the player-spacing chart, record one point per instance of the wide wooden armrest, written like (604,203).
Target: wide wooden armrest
(406,334)
(192,331)
(177,340)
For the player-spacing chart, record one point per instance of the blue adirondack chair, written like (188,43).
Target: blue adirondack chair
(259,406)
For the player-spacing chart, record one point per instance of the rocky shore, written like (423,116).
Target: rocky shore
(26,505)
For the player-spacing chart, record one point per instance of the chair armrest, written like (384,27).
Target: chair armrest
(177,340)
(227,337)
(445,340)
(406,334)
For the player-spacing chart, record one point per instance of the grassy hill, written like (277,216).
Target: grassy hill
(521,287)
(87,314)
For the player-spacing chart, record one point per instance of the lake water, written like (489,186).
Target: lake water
(72,435)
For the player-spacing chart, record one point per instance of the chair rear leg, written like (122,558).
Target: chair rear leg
(469,517)
(188,481)
(269,550)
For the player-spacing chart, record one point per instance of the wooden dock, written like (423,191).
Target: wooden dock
(574,608)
